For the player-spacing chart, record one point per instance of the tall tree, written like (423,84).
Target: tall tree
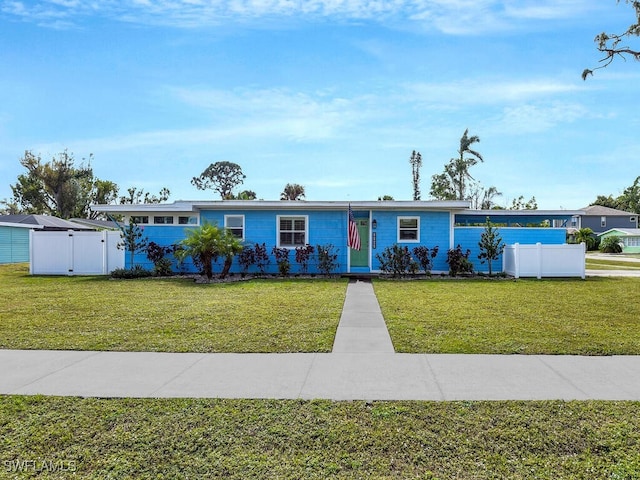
(416,164)
(246,195)
(612,45)
(221,177)
(292,191)
(520,204)
(453,183)
(483,198)
(606,201)
(629,201)
(136,196)
(58,187)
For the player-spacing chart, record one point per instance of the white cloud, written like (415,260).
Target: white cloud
(487,92)
(448,16)
(526,119)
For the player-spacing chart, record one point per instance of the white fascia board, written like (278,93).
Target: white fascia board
(523,213)
(144,207)
(190,206)
(21,225)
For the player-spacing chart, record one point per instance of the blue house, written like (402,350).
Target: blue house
(381,224)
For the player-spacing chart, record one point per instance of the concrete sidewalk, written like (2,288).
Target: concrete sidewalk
(337,376)
(362,366)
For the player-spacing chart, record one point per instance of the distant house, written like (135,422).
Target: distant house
(630,238)
(14,234)
(600,219)
(381,224)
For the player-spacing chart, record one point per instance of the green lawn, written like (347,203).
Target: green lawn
(597,316)
(167,315)
(597,264)
(187,438)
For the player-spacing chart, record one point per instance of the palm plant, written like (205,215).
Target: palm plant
(468,158)
(585,235)
(206,244)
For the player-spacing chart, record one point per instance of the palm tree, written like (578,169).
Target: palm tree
(460,171)
(585,235)
(292,191)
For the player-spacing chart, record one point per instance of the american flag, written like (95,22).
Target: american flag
(353,237)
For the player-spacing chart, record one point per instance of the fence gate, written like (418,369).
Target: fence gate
(74,252)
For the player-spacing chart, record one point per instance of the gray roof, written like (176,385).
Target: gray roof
(45,221)
(101,224)
(600,211)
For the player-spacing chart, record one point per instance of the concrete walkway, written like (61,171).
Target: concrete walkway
(362,328)
(362,366)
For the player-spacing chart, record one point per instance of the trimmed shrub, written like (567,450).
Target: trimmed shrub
(397,261)
(282,259)
(327,259)
(458,261)
(128,273)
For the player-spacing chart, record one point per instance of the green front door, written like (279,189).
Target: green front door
(360,258)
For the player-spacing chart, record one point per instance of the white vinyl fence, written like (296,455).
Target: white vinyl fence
(74,252)
(544,260)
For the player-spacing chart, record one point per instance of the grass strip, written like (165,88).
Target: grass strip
(167,315)
(595,264)
(54,437)
(597,316)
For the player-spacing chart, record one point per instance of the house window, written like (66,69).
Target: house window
(603,221)
(235,224)
(632,241)
(633,219)
(163,220)
(292,231)
(192,220)
(408,229)
(138,219)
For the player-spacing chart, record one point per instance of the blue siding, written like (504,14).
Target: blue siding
(14,244)
(468,237)
(330,227)
(434,231)
(261,226)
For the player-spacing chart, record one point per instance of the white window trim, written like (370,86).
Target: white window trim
(306,229)
(417,240)
(243,225)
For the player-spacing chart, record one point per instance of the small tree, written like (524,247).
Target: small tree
(282,259)
(458,261)
(132,239)
(303,255)
(327,259)
(490,244)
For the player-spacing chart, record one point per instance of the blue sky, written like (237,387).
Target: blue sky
(331,94)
